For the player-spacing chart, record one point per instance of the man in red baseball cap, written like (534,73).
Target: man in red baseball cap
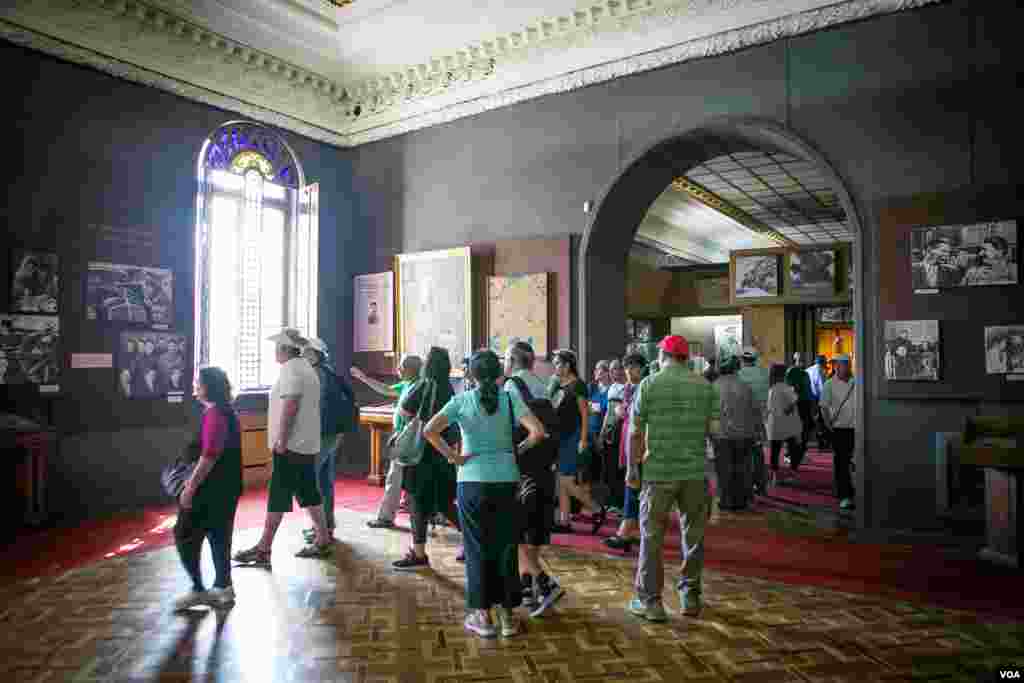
(674,411)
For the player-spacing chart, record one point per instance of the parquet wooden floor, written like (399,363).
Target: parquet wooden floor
(354,619)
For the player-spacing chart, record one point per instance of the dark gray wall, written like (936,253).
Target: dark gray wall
(88,148)
(899,106)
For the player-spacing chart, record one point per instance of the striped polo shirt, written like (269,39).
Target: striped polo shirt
(674,406)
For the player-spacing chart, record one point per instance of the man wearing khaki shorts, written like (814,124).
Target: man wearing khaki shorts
(293,427)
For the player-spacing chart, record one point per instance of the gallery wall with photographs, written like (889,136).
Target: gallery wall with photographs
(809,275)
(953,314)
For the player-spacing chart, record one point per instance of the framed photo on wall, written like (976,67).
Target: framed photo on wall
(1004,350)
(644,330)
(120,293)
(29,349)
(374,313)
(912,350)
(756,276)
(35,282)
(152,364)
(835,314)
(812,273)
(979,254)
(435,303)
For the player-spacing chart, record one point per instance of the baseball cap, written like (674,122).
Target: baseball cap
(318,345)
(841,358)
(289,336)
(676,345)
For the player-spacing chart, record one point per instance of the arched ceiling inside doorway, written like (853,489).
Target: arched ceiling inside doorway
(744,200)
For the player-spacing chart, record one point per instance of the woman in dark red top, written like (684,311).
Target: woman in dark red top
(208,503)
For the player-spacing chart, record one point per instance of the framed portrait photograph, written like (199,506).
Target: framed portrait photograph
(912,350)
(757,276)
(29,349)
(374,312)
(35,282)
(644,330)
(812,273)
(949,256)
(1004,350)
(119,293)
(152,364)
(630,329)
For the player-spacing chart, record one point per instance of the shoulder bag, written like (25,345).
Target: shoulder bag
(176,474)
(829,419)
(406,447)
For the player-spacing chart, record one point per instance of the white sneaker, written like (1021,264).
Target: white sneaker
(222,597)
(191,599)
(508,621)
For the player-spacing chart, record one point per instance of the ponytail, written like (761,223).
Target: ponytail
(486,369)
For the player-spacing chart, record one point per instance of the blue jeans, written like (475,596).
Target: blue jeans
(192,528)
(489,513)
(326,469)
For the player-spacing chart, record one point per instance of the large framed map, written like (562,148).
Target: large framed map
(435,303)
(517,310)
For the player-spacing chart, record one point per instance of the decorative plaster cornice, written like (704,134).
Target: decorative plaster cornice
(713,201)
(153,47)
(722,43)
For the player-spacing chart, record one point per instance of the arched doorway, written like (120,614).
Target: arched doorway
(621,208)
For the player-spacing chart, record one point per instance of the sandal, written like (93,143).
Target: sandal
(316,551)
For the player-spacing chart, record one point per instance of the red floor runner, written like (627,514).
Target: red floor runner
(919,573)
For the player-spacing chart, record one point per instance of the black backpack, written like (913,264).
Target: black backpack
(544,454)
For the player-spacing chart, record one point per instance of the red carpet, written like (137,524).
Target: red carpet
(745,545)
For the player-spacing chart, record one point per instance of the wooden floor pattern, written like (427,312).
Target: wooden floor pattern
(354,619)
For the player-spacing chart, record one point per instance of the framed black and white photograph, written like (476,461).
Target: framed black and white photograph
(835,314)
(1004,350)
(912,350)
(630,329)
(29,349)
(152,364)
(119,293)
(644,330)
(812,273)
(948,256)
(35,281)
(757,276)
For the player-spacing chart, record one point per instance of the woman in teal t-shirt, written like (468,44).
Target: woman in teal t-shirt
(488,481)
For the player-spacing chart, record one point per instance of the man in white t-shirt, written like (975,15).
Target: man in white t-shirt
(293,430)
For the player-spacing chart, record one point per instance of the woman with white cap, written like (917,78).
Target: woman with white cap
(336,418)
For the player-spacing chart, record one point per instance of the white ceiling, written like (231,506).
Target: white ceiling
(774,190)
(377,68)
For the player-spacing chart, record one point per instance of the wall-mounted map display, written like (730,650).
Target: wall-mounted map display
(435,302)
(964,255)
(1004,349)
(129,294)
(152,364)
(374,315)
(517,310)
(713,292)
(757,276)
(812,273)
(34,281)
(912,350)
(28,349)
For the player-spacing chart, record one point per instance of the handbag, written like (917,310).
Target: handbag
(406,447)
(176,474)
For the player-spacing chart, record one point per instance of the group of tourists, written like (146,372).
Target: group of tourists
(509,458)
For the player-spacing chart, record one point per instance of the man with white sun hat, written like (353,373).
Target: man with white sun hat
(293,428)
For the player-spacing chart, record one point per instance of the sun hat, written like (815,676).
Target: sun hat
(289,336)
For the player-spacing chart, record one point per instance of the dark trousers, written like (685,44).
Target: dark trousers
(794,449)
(824,440)
(806,410)
(195,525)
(631,507)
(490,533)
(842,449)
(734,468)
(419,522)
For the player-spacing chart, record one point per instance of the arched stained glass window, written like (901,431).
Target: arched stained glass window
(256,251)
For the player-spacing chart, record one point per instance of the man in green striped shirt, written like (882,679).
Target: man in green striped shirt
(674,411)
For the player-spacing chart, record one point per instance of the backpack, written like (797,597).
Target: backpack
(566,411)
(340,414)
(544,454)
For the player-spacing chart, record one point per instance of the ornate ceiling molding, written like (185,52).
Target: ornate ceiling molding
(137,41)
(713,201)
